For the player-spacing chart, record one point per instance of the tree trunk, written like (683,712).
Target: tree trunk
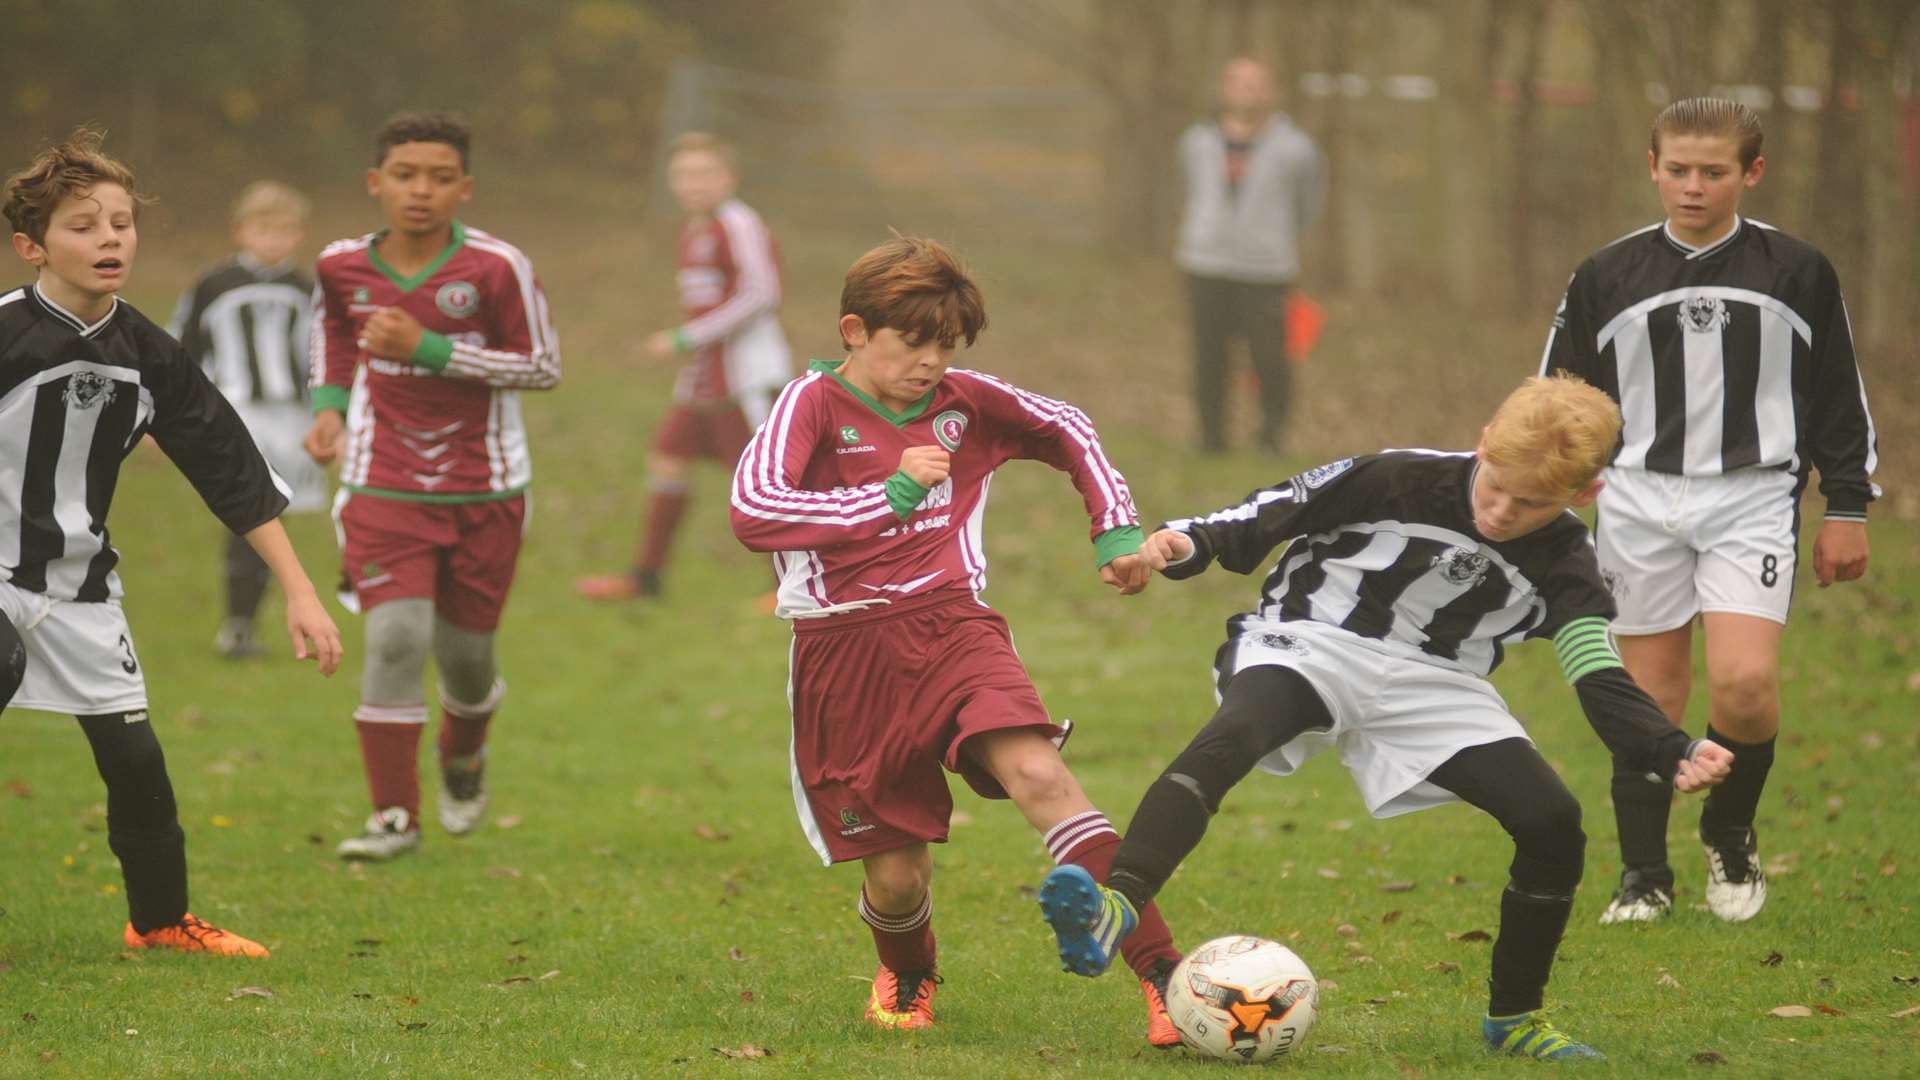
(1532,32)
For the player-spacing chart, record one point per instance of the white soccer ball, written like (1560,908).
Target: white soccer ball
(1243,999)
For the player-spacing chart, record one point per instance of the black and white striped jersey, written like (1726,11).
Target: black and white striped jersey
(247,325)
(1733,356)
(74,401)
(1384,548)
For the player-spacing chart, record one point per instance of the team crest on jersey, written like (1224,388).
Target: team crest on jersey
(457,299)
(1462,566)
(849,434)
(1283,642)
(1318,476)
(85,390)
(948,427)
(1703,314)
(361,295)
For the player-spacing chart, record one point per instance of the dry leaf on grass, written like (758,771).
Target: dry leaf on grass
(1669,981)
(1390,917)
(1790,1012)
(1907,980)
(1329,873)
(555,973)
(1444,967)
(1772,959)
(711,834)
(1470,935)
(746,996)
(1828,1009)
(1708,1057)
(745,1050)
(1346,930)
(734,953)
(507,821)
(1398,886)
(250,991)
(1904,1013)
(502,872)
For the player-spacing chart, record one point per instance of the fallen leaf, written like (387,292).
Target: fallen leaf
(503,872)
(1363,960)
(517,958)
(1028,892)
(49,1055)
(711,834)
(367,942)
(1708,1057)
(361,954)
(746,996)
(1772,959)
(1340,824)
(1390,917)
(1669,981)
(364,997)
(1907,980)
(1904,1013)
(1790,1012)
(1445,967)
(516,979)
(1045,1053)
(1329,873)
(746,1050)
(1828,1009)
(1872,740)
(29,1018)
(1354,946)
(550,975)
(250,991)
(1470,935)
(1328,986)
(1376,1001)
(1398,886)
(1458,879)
(1346,930)
(507,821)
(1889,870)
(20,789)
(734,953)
(220,821)
(1331,1049)
(133,1031)
(415,1025)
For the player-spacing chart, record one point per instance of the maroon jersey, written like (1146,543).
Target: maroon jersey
(812,487)
(729,278)
(444,423)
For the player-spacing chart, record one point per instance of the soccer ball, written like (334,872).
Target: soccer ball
(1242,999)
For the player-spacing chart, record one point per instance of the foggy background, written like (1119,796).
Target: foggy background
(1477,150)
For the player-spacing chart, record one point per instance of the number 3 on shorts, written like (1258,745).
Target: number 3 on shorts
(1769,570)
(130,665)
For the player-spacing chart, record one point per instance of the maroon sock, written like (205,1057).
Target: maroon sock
(904,942)
(390,747)
(463,727)
(663,520)
(1087,840)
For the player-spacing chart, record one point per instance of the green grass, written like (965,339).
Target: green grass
(654,900)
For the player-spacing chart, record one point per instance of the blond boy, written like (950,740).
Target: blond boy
(1408,573)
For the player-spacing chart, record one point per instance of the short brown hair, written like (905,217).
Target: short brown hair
(1711,116)
(266,198)
(65,169)
(406,127)
(917,287)
(703,142)
(1557,431)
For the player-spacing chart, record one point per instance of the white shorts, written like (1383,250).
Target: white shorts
(80,657)
(1395,719)
(1672,547)
(280,433)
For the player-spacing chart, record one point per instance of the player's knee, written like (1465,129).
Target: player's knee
(898,883)
(1550,823)
(127,753)
(1747,695)
(1036,773)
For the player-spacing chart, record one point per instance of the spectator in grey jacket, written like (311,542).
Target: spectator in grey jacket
(1254,183)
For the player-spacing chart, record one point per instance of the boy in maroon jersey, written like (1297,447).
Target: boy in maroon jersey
(729,277)
(898,668)
(424,332)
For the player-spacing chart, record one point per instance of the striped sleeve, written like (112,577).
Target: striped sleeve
(1841,440)
(523,352)
(1059,434)
(333,353)
(756,286)
(772,512)
(1584,647)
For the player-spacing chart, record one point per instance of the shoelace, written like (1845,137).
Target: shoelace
(909,988)
(463,784)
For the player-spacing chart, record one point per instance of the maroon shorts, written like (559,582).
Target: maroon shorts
(882,701)
(704,429)
(459,555)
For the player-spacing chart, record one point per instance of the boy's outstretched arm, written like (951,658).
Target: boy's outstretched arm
(1626,718)
(308,624)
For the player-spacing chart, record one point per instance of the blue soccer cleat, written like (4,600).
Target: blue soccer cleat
(1088,919)
(1529,1035)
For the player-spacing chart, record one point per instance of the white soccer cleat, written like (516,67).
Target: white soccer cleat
(1736,886)
(390,834)
(463,794)
(1644,895)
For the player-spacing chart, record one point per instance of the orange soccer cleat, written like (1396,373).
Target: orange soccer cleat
(902,999)
(1160,1030)
(192,934)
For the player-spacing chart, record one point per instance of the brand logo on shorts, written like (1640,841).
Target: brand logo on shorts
(849,434)
(1703,314)
(85,390)
(848,817)
(1318,476)
(1616,584)
(1462,566)
(457,299)
(138,717)
(1283,642)
(948,427)
(361,295)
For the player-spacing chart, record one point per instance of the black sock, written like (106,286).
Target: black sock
(1730,807)
(1262,709)
(1640,809)
(143,824)
(247,577)
(1530,930)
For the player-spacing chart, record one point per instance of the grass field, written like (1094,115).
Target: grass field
(641,900)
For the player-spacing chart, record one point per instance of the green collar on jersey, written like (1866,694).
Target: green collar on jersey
(897,419)
(407,285)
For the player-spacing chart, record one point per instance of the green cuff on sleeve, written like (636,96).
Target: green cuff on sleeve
(681,342)
(330,397)
(904,494)
(1114,543)
(1584,648)
(434,350)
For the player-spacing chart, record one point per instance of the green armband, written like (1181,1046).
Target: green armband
(1114,543)
(904,494)
(327,398)
(1584,648)
(433,352)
